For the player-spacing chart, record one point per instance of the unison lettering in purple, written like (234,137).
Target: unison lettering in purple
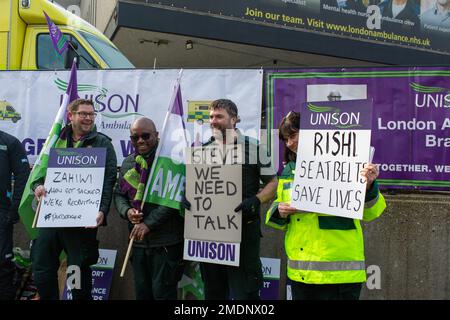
(212,250)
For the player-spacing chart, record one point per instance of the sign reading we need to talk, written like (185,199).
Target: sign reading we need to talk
(212,229)
(74,185)
(333,147)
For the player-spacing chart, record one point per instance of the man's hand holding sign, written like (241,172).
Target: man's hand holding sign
(73,188)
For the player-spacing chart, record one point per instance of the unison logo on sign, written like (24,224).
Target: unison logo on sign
(332,116)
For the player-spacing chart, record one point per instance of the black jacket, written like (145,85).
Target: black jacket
(165,224)
(13,160)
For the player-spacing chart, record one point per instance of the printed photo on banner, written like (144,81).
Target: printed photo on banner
(335,92)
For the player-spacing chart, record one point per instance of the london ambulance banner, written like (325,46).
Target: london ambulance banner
(410,118)
(421,24)
(29,101)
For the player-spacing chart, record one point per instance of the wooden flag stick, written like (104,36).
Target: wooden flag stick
(127,256)
(36,215)
(152,169)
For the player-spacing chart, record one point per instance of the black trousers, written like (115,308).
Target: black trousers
(240,283)
(7,267)
(81,248)
(342,291)
(157,271)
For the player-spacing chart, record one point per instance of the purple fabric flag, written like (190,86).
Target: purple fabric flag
(72,91)
(27,206)
(170,155)
(59,41)
(177,107)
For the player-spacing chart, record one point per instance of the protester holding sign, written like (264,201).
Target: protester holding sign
(79,243)
(13,160)
(158,230)
(325,252)
(245,281)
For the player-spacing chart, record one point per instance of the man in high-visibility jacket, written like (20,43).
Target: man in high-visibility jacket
(325,253)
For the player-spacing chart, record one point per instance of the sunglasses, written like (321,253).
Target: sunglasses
(144,136)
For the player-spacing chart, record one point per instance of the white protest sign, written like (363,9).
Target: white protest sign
(334,143)
(212,228)
(74,185)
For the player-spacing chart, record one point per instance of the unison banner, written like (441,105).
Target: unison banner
(410,120)
(30,101)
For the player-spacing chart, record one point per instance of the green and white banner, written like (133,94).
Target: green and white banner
(121,96)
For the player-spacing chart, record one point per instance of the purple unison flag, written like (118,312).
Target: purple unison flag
(169,156)
(59,41)
(26,208)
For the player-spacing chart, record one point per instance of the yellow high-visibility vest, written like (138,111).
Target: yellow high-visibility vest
(323,249)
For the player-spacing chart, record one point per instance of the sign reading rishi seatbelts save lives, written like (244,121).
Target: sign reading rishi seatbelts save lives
(212,229)
(74,185)
(333,147)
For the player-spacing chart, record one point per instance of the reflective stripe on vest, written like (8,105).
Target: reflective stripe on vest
(326,265)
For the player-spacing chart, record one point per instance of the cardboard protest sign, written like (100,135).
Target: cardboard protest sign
(333,147)
(74,185)
(102,275)
(212,228)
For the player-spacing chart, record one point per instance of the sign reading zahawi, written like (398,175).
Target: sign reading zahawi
(214,188)
(333,147)
(74,186)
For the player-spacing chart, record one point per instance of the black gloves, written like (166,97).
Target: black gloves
(249,207)
(185,204)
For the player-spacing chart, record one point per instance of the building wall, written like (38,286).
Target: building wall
(104,12)
(88,11)
(97,12)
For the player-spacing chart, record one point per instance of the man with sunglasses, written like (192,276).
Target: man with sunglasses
(157,230)
(79,244)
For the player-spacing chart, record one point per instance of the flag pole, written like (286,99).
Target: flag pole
(158,150)
(36,215)
(127,256)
